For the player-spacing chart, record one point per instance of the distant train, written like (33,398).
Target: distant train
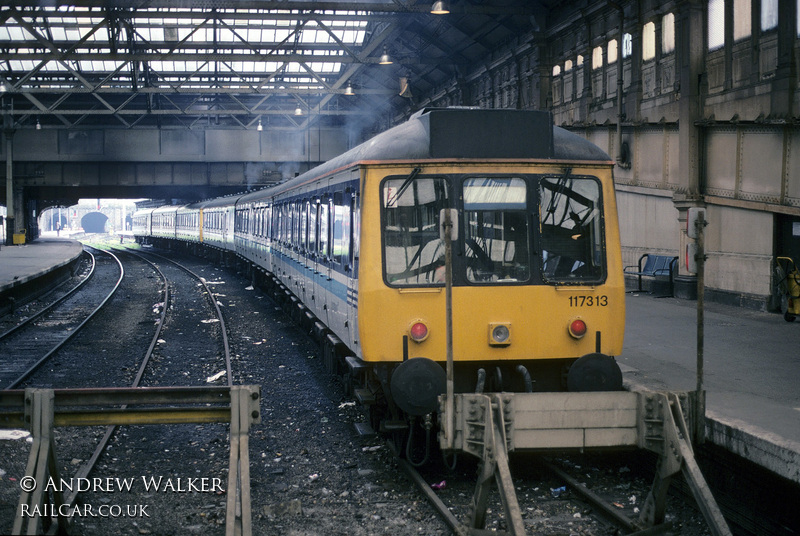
(355,247)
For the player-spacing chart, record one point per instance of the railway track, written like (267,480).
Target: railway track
(557,496)
(179,304)
(31,343)
(89,466)
(610,487)
(202,318)
(27,308)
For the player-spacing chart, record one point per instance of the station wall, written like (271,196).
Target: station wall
(700,122)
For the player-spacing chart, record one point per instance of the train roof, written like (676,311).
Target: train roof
(461,133)
(166,208)
(227,201)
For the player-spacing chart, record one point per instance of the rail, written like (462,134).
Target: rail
(40,410)
(52,305)
(212,299)
(70,331)
(88,466)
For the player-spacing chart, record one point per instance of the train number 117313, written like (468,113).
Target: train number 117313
(588,301)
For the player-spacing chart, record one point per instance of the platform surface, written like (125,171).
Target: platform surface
(20,264)
(751,372)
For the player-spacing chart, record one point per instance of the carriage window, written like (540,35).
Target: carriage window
(294,215)
(356,226)
(312,227)
(496,230)
(276,224)
(413,253)
(303,243)
(323,229)
(571,229)
(341,229)
(285,224)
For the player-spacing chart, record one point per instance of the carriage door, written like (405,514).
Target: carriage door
(352,282)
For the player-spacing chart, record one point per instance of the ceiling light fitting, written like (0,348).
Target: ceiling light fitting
(440,7)
(349,89)
(385,58)
(38,125)
(298,111)
(259,127)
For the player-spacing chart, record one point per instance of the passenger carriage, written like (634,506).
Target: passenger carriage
(187,223)
(216,220)
(142,224)
(163,222)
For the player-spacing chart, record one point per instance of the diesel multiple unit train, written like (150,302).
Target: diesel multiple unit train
(356,245)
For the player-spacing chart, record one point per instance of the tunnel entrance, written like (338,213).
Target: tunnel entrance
(94,222)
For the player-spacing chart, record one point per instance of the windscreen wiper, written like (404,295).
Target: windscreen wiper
(403,187)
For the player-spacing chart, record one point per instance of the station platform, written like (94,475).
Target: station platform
(751,372)
(23,264)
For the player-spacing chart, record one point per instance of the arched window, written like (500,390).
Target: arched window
(612,51)
(649,41)
(668,33)
(769,14)
(716,24)
(627,45)
(597,57)
(742,26)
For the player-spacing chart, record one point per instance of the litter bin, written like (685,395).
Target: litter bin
(18,239)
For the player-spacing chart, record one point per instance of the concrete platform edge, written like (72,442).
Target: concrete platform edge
(40,273)
(768,450)
(765,449)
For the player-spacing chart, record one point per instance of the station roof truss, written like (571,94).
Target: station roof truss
(281,64)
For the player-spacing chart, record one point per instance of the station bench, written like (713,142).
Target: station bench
(654,266)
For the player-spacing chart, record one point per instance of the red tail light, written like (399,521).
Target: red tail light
(418,331)
(577,328)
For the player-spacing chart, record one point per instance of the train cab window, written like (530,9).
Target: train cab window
(571,229)
(496,230)
(413,252)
